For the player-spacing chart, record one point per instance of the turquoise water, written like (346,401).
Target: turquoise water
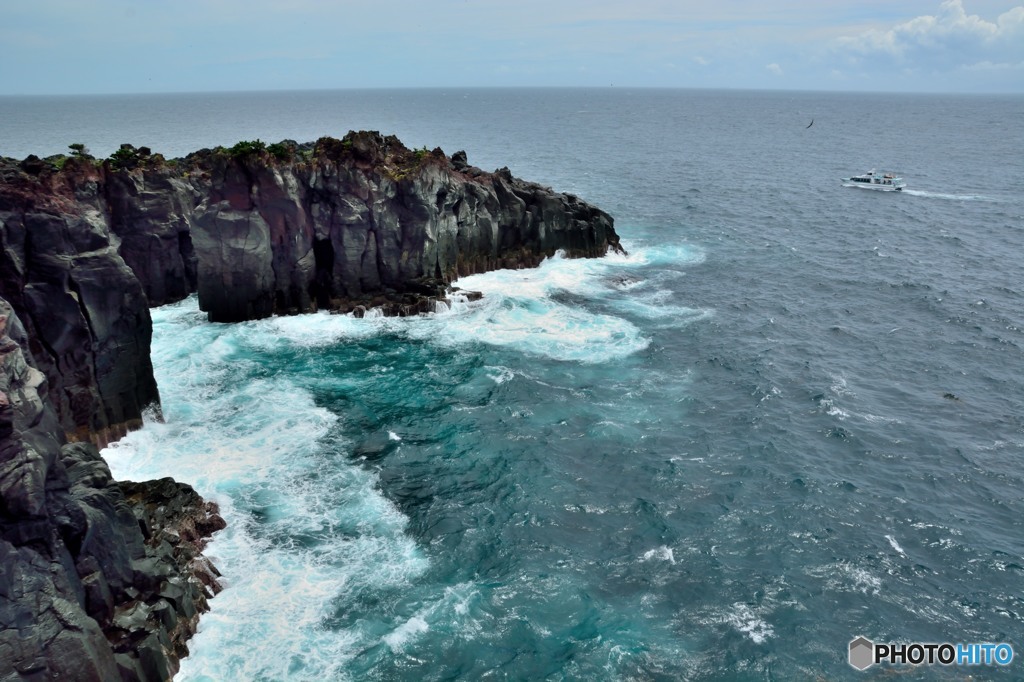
(791,416)
(488,415)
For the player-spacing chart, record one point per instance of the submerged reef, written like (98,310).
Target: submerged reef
(105,580)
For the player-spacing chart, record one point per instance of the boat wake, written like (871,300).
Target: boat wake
(942,195)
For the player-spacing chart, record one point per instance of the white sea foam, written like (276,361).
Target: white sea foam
(657,307)
(944,195)
(499,374)
(315,330)
(846,577)
(641,253)
(895,545)
(400,636)
(537,327)
(839,385)
(743,618)
(834,411)
(305,529)
(878,419)
(541,311)
(662,553)
(454,609)
(524,310)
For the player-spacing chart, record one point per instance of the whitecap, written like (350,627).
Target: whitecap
(846,577)
(499,374)
(839,385)
(834,411)
(662,553)
(656,307)
(878,419)
(895,545)
(743,618)
(403,634)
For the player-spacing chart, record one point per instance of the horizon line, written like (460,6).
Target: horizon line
(380,88)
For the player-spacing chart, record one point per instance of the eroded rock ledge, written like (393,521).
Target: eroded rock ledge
(349,225)
(101,580)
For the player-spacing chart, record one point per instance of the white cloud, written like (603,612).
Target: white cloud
(989,66)
(241,44)
(950,39)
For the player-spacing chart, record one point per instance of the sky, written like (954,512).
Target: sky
(142,46)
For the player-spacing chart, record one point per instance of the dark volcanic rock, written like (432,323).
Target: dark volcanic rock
(73,557)
(336,224)
(150,212)
(365,217)
(86,316)
(101,580)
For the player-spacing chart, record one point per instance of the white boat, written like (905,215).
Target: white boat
(885,182)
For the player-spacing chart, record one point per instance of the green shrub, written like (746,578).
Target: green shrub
(247,148)
(281,152)
(125,157)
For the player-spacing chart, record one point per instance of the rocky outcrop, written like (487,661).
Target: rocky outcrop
(256,230)
(103,580)
(99,580)
(348,225)
(149,213)
(365,221)
(84,310)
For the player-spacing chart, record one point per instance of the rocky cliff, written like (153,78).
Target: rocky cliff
(256,230)
(99,580)
(340,224)
(103,580)
(84,311)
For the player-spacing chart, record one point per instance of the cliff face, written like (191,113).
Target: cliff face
(361,221)
(98,580)
(343,224)
(84,311)
(101,580)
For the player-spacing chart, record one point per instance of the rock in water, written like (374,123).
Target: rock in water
(103,580)
(260,230)
(84,593)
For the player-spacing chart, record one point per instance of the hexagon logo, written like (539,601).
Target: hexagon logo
(862,653)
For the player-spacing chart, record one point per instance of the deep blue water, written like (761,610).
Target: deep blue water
(794,414)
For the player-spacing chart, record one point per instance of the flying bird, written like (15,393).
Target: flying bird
(810,124)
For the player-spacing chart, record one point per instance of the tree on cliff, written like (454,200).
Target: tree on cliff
(79,149)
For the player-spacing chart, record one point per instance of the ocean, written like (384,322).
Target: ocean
(792,415)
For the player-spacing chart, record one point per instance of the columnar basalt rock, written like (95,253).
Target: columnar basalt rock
(85,593)
(149,213)
(365,221)
(103,580)
(84,310)
(361,221)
